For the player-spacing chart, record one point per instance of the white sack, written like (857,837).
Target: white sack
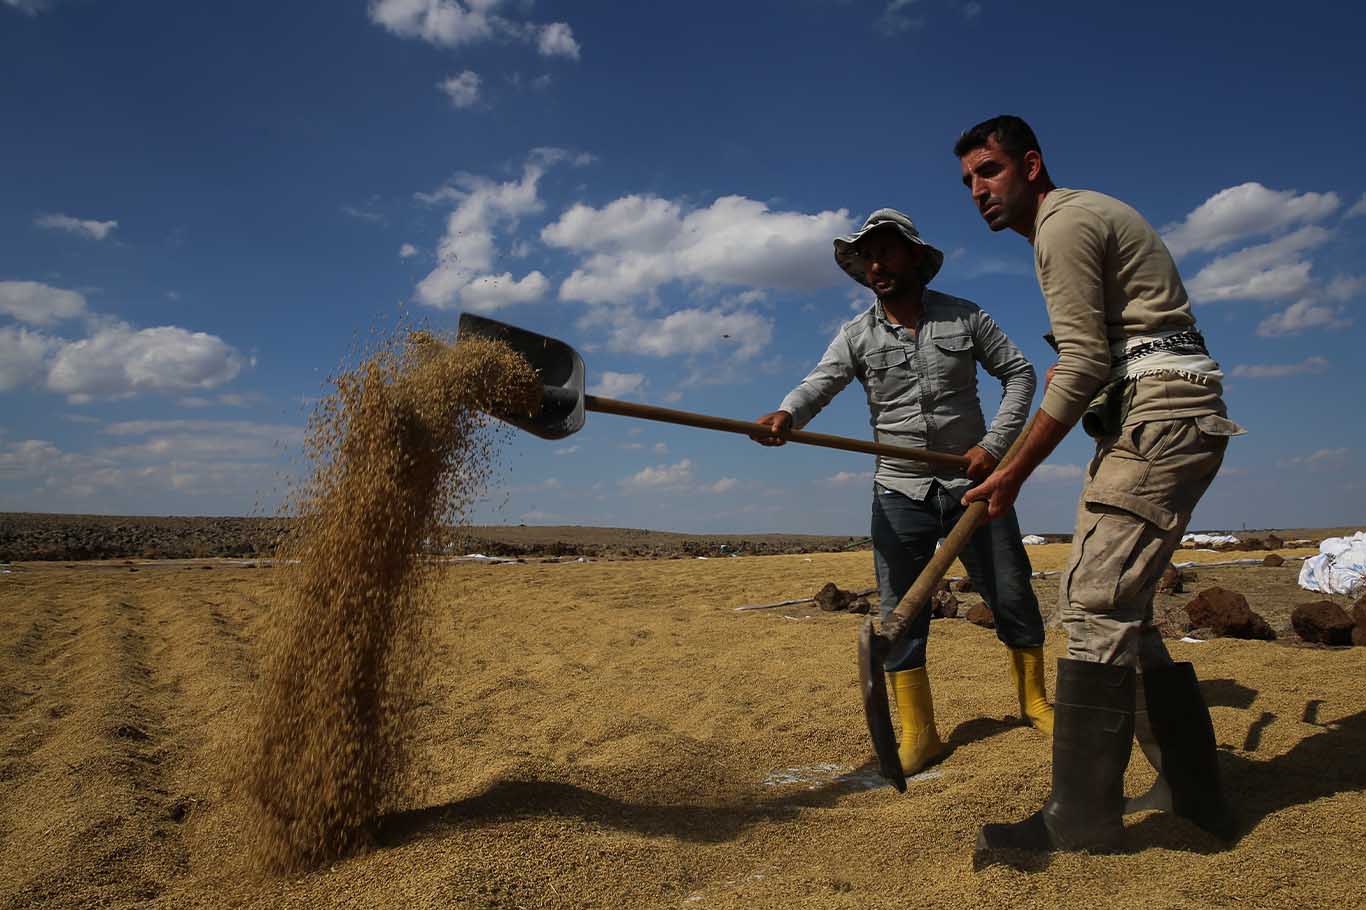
(1208,540)
(1340,567)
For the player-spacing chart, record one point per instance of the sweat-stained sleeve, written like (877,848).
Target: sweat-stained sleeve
(1002,359)
(833,373)
(1069,256)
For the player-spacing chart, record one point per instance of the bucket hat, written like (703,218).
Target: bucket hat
(846,247)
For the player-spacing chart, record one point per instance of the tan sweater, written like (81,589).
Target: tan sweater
(1106,276)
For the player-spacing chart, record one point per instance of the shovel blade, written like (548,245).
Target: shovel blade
(559,366)
(876,710)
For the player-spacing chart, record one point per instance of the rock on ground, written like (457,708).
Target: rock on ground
(832,599)
(944,605)
(1227,614)
(1170,583)
(980,614)
(1322,622)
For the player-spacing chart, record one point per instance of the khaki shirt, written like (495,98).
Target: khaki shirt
(1106,276)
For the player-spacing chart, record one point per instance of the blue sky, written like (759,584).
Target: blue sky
(206,205)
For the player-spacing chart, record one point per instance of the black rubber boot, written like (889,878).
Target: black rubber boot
(1159,795)
(1093,730)
(1181,735)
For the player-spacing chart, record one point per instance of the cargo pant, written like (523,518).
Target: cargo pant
(1141,488)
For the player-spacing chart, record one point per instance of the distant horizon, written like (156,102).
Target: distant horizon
(1067,532)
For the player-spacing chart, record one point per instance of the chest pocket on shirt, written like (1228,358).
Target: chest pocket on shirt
(887,373)
(954,361)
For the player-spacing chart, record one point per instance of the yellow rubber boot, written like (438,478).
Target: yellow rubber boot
(920,742)
(1026,669)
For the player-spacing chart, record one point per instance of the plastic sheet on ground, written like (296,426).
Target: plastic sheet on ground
(1208,540)
(1340,567)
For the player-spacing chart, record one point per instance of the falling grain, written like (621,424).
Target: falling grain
(400,449)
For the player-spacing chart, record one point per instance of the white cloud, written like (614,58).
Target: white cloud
(493,292)
(1313,364)
(462,90)
(1345,287)
(28,7)
(896,17)
(1302,315)
(407,251)
(117,361)
(39,304)
(690,331)
(451,23)
(631,222)
(1358,208)
(95,230)
(232,427)
(23,355)
(635,244)
(195,464)
(1267,271)
(1244,211)
(567,450)
(363,214)
(114,360)
(26,456)
(972,9)
(849,478)
(724,485)
(467,250)
(663,476)
(557,40)
(537,515)
(661,449)
(616,385)
(443,22)
(182,440)
(1320,458)
(1056,472)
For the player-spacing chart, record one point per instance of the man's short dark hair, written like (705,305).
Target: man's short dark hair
(1011,133)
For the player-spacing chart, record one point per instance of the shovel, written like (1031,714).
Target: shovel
(564,402)
(873,646)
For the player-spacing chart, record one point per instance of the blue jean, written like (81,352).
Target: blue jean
(905,532)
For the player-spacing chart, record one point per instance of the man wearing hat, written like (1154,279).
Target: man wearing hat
(916,353)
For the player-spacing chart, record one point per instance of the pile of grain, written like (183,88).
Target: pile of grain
(399,449)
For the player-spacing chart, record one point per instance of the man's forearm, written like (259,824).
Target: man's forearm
(1043,438)
(1017,392)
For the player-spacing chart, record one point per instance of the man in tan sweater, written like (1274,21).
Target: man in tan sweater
(1133,370)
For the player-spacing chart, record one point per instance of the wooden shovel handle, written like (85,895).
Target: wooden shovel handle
(927,582)
(751,428)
